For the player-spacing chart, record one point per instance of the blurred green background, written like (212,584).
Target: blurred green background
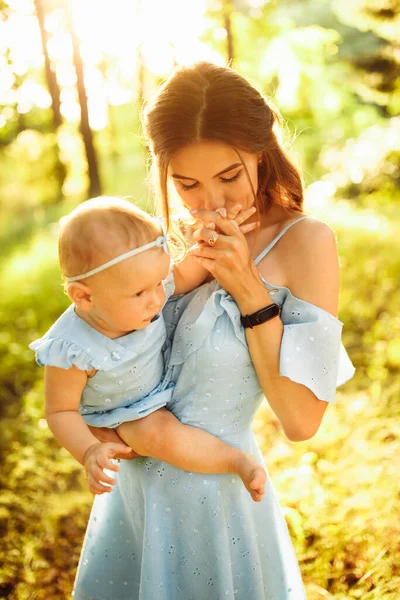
(73,78)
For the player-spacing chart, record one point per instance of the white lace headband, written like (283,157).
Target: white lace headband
(160,242)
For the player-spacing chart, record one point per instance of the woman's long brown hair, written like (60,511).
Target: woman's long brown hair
(210,102)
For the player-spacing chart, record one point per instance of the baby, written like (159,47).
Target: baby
(104,357)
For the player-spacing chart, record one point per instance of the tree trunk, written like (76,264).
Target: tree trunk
(227,12)
(54,90)
(51,79)
(87,136)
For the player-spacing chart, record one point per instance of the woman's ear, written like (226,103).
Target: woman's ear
(80,294)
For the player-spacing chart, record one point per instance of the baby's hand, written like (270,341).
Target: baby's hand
(97,458)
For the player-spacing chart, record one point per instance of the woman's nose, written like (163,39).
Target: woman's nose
(214,200)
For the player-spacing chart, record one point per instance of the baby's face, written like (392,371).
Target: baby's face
(127,296)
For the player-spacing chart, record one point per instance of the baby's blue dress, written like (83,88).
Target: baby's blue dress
(130,380)
(166,534)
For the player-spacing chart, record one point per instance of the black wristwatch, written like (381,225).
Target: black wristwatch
(260,316)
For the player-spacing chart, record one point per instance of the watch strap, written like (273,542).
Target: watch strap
(260,316)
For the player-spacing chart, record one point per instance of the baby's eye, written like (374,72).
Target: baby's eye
(138,294)
(231,179)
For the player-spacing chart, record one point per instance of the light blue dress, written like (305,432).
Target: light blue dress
(166,534)
(130,381)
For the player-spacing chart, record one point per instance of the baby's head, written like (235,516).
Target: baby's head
(99,230)
(122,296)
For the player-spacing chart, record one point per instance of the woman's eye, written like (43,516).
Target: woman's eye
(194,185)
(189,187)
(232,179)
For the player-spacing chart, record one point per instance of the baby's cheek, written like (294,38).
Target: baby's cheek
(161,295)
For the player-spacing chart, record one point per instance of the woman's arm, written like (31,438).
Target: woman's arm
(312,275)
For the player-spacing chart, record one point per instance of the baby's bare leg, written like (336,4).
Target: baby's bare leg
(162,436)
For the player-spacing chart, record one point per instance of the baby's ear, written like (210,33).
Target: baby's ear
(80,294)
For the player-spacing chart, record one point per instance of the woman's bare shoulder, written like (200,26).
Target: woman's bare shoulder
(308,257)
(311,234)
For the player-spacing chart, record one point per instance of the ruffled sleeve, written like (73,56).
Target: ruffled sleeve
(62,353)
(311,350)
(73,342)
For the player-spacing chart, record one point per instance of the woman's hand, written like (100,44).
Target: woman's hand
(99,457)
(103,434)
(236,213)
(227,257)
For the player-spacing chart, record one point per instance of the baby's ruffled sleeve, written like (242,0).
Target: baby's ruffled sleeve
(54,352)
(311,350)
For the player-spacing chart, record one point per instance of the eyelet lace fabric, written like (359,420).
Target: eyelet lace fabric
(168,534)
(129,381)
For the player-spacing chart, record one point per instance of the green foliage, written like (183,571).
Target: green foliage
(44,505)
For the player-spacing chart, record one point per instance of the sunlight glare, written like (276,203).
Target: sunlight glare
(114,40)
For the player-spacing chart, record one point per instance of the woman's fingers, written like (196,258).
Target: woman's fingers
(206,216)
(222,212)
(231,213)
(226,226)
(121,448)
(207,236)
(125,452)
(235,213)
(112,451)
(205,251)
(107,464)
(95,477)
(249,227)
(207,263)
(242,216)
(127,456)
(97,488)
(104,434)
(99,475)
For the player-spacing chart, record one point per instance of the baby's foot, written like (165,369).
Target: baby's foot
(252,474)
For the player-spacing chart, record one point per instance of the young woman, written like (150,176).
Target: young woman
(264,325)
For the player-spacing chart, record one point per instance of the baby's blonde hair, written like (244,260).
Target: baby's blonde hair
(100,229)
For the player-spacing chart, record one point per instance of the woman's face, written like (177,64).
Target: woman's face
(209,175)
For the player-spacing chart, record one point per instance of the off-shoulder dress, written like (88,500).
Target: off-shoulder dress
(167,534)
